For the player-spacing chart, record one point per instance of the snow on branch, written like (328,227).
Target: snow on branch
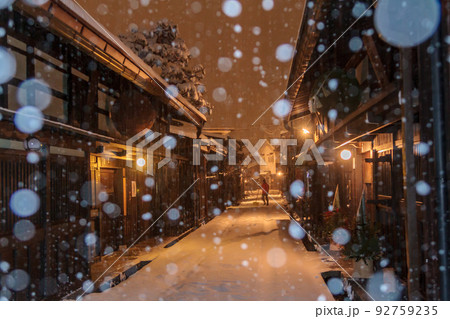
(165,51)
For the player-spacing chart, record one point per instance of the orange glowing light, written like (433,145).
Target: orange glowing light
(346,155)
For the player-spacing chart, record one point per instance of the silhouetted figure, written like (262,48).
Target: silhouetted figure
(265,192)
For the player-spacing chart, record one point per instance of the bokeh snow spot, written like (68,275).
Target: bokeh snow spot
(267,5)
(256,30)
(296,231)
(29,119)
(281,108)
(333,84)
(172,92)
(224,64)
(169,142)
(232,8)
(171,269)
(358,9)
(332,114)
(102,9)
(88,286)
(37,88)
(217,240)
(195,52)
(409,23)
(112,210)
(33,157)
(196,7)
(17,280)
(276,257)
(219,94)
(341,236)
(147,216)
(384,286)
(149,182)
(24,230)
(284,52)
(35,3)
(7,60)
(214,169)
(24,203)
(4,266)
(355,44)
(173,214)
(335,285)
(423,188)
(297,188)
(422,149)
(90,239)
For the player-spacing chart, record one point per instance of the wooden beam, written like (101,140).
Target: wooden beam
(372,132)
(386,92)
(375,60)
(355,60)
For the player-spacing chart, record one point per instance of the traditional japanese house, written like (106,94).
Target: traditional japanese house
(85,169)
(377,115)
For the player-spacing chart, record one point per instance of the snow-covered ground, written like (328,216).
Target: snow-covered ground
(240,255)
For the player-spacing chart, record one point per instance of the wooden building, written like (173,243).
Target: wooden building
(94,195)
(377,114)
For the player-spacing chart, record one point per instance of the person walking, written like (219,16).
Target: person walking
(265,192)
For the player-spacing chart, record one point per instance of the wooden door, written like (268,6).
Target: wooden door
(111,216)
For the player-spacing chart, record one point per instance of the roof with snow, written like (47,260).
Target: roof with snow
(70,20)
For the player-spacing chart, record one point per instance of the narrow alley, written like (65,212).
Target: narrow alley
(239,255)
(199,150)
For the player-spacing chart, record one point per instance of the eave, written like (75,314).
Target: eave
(68,19)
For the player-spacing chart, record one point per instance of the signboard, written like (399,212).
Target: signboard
(133,188)
(94,213)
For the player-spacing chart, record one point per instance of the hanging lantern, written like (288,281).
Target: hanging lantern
(32,144)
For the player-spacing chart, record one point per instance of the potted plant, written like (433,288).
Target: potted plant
(364,249)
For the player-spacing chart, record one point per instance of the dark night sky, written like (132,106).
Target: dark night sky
(204,25)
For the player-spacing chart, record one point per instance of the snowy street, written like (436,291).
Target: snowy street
(239,255)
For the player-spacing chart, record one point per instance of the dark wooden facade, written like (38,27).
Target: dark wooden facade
(395,143)
(101,96)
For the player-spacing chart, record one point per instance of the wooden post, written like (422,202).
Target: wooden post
(396,184)
(411,236)
(439,100)
(375,182)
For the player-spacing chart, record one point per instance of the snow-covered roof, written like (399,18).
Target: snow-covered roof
(108,49)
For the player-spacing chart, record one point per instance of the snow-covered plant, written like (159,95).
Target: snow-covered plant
(364,244)
(162,48)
